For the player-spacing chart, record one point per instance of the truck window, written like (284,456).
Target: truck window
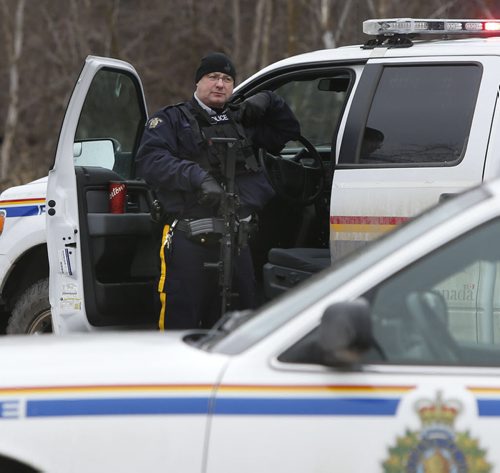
(113,112)
(420,114)
(443,309)
(447,302)
(317,103)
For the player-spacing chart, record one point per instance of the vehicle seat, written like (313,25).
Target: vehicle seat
(286,267)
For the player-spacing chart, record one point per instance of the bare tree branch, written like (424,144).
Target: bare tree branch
(236,31)
(442,9)
(111,47)
(487,12)
(326,24)
(268,16)
(371,8)
(7,29)
(342,21)
(14,41)
(291,28)
(251,63)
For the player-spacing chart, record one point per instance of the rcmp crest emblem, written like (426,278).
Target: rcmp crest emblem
(437,447)
(154,122)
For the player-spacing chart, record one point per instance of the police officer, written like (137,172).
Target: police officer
(180,162)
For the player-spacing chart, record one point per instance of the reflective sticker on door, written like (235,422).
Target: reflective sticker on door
(66,262)
(70,299)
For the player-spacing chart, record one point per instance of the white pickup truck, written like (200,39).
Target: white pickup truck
(390,128)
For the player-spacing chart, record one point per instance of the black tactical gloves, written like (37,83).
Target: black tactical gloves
(210,193)
(254,108)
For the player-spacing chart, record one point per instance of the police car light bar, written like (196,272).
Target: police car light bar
(392,26)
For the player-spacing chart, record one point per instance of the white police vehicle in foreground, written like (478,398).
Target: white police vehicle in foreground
(390,129)
(365,368)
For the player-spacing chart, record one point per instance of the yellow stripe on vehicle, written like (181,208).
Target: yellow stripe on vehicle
(364,224)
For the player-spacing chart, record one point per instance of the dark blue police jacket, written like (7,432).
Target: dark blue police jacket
(169,159)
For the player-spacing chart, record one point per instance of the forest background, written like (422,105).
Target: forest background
(43,44)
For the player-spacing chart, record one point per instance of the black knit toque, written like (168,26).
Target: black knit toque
(215,62)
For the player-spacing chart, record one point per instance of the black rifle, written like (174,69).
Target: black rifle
(227,210)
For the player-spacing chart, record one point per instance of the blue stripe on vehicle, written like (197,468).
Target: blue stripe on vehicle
(223,406)
(115,406)
(488,407)
(9,409)
(307,406)
(22,211)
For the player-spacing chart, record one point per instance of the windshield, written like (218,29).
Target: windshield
(276,313)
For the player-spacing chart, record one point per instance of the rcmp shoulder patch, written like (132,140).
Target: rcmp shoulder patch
(154,122)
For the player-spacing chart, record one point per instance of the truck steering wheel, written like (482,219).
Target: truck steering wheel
(299,179)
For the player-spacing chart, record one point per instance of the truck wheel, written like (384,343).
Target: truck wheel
(31,313)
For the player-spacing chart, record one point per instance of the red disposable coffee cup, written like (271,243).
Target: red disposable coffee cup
(117,197)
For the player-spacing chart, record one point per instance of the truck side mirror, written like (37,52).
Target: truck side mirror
(345,333)
(99,152)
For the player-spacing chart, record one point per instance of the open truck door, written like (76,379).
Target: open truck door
(102,265)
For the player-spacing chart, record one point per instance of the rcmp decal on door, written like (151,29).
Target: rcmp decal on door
(437,447)
(23,207)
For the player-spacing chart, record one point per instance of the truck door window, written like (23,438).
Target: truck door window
(444,308)
(112,113)
(317,103)
(419,115)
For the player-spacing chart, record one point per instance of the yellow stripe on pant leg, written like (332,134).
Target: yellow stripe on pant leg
(163,275)
(161,322)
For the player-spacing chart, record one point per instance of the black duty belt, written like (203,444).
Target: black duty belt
(201,226)
(210,230)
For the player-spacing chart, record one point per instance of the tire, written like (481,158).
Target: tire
(31,312)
